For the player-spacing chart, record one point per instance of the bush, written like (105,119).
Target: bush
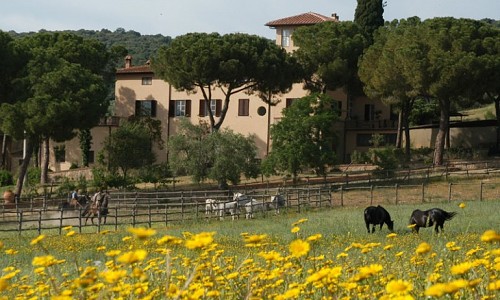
(6,178)
(358,157)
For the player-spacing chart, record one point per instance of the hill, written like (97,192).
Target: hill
(141,47)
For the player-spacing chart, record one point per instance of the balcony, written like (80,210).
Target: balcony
(375,124)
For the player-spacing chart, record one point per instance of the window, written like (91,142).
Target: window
(60,153)
(147,80)
(337,107)
(369,112)
(243,107)
(179,108)
(91,156)
(215,106)
(289,101)
(286,35)
(145,108)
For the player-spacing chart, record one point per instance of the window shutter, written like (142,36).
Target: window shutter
(202,108)
(188,108)
(171,108)
(218,107)
(153,108)
(137,108)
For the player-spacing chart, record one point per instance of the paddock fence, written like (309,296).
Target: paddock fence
(166,207)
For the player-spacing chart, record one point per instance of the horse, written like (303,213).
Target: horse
(75,203)
(278,201)
(211,206)
(430,217)
(97,207)
(232,207)
(377,215)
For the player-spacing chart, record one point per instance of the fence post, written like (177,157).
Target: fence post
(397,192)
(166,215)
(149,214)
(20,227)
(39,222)
(449,192)
(423,193)
(133,215)
(371,194)
(481,191)
(341,196)
(61,221)
(79,220)
(182,206)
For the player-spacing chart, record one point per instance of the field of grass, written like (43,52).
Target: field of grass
(315,255)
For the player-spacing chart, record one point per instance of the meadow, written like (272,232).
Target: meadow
(323,254)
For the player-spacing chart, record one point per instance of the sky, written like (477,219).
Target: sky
(174,17)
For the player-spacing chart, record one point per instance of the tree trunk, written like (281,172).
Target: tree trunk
(4,152)
(399,137)
(23,169)
(407,140)
(45,161)
(444,120)
(497,112)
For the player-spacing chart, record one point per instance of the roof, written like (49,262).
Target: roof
(135,69)
(309,18)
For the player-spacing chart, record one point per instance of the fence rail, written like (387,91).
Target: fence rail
(146,208)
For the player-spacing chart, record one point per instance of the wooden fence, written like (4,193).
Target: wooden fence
(145,208)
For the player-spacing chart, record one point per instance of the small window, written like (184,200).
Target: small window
(147,80)
(338,107)
(289,101)
(215,106)
(369,112)
(286,36)
(243,107)
(179,108)
(60,153)
(91,156)
(145,108)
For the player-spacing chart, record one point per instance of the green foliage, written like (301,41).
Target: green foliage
(459,153)
(221,156)
(85,138)
(65,187)
(5,178)
(369,15)
(377,140)
(156,174)
(304,137)
(387,159)
(360,157)
(130,147)
(329,53)
(489,115)
(424,112)
(232,63)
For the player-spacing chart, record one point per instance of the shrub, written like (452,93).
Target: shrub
(6,178)
(358,157)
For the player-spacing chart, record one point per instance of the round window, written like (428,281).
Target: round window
(261,111)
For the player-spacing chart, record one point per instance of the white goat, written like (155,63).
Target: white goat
(255,206)
(211,206)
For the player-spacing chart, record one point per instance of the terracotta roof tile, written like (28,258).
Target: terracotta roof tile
(309,18)
(135,69)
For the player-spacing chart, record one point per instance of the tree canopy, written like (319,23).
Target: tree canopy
(304,137)
(233,63)
(329,53)
(369,15)
(221,156)
(61,90)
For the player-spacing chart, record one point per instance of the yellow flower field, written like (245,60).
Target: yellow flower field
(145,263)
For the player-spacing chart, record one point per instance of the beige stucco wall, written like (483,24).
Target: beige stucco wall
(475,137)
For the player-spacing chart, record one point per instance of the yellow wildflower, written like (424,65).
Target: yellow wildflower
(391,235)
(113,276)
(462,268)
(46,261)
(254,239)
(494,286)
(168,239)
(295,229)
(141,232)
(37,239)
(462,205)
(423,248)
(4,284)
(113,253)
(70,233)
(314,237)
(299,248)
(200,240)
(271,256)
(490,236)
(133,256)
(397,287)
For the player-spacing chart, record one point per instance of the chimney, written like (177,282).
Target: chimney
(335,16)
(128,61)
